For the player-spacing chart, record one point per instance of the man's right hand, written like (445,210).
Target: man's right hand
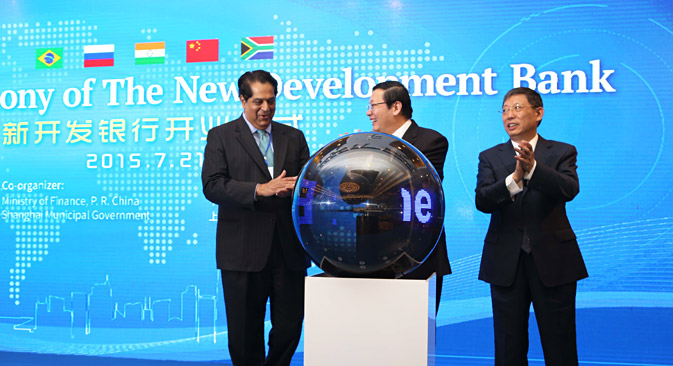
(524,160)
(280,186)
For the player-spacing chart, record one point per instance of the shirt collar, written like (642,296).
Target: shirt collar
(532,142)
(254,129)
(402,129)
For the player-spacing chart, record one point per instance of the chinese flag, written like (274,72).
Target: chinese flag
(203,50)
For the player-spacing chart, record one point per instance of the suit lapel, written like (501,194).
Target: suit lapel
(541,154)
(506,155)
(411,133)
(279,149)
(248,142)
(542,151)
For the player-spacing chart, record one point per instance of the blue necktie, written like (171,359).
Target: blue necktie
(265,147)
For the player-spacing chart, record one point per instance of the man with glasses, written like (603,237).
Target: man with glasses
(530,251)
(390,111)
(249,170)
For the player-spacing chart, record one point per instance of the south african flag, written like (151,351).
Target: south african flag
(257,48)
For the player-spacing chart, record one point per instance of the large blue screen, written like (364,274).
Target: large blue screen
(107,245)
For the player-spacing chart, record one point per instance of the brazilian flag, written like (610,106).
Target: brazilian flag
(49,58)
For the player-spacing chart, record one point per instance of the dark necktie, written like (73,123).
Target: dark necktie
(525,241)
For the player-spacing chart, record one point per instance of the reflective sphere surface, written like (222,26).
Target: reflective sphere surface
(368,205)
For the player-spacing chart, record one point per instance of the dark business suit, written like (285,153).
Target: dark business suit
(257,249)
(434,146)
(548,275)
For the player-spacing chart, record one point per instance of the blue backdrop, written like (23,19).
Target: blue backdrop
(107,243)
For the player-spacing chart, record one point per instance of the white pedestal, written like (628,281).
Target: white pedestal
(363,321)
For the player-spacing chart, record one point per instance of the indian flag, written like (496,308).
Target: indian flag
(149,53)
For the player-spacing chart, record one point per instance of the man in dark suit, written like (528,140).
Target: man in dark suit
(530,251)
(390,112)
(249,170)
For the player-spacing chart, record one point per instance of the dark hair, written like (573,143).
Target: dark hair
(532,96)
(250,77)
(394,91)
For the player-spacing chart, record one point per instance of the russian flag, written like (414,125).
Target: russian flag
(99,55)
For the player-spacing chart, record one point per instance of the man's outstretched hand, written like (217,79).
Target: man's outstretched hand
(280,186)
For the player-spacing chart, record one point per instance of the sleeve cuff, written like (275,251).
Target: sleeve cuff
(512,186)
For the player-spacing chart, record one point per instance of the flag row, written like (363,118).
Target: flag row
(152,53)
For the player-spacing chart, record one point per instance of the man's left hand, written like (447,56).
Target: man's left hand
(525,155)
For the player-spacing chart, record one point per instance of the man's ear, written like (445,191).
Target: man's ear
(397,108)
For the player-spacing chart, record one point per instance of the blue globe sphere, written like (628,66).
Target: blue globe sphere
(368,205)
(49,58)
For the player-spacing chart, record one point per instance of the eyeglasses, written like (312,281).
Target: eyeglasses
(371,106)
(517,108)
